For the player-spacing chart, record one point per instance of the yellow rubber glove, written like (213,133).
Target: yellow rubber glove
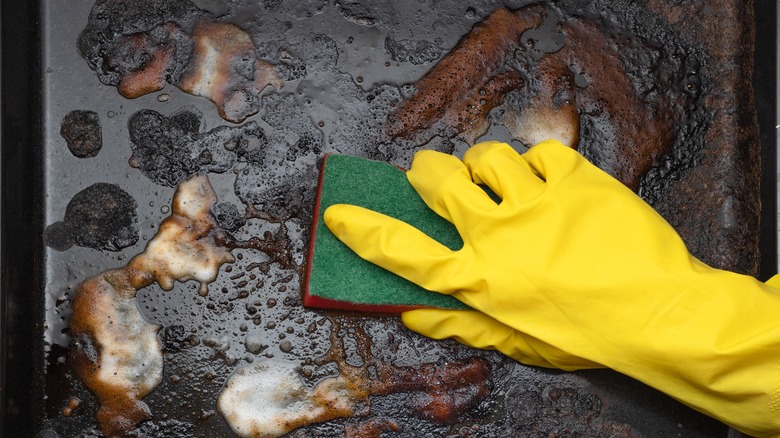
(573,270)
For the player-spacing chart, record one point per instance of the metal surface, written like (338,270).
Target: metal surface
(44,78)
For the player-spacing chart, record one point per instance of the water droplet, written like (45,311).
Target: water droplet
(163,97)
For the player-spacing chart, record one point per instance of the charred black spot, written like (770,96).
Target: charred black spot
(58,236)
(170,149)
(103,42)
(81,131)
(102,216)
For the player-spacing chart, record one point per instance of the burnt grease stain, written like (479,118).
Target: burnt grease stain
(102,217)
(176,43)
(439,393)
(275,172)
(122,38)
(169,150)
(276,245)
(82,133)
(545,71)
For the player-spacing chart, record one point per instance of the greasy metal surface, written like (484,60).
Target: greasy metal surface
(253,309)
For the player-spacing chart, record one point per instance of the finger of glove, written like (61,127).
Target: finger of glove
(475,329)
(552,160)
(445,185)
(394,245)
(503,170)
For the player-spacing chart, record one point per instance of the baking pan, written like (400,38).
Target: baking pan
(44,78)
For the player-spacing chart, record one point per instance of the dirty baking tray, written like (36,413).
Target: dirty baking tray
(252,310)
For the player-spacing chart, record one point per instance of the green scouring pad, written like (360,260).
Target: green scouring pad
(337,278)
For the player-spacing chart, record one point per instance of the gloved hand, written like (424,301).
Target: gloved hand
(573,270)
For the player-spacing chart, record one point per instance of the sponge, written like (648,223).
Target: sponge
(336,277)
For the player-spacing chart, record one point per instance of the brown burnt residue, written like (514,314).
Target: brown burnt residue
(115,350)
(658,101)
(440,393)
(225,69)
(586,81)
(73,404)
(469,81)
(473,118)
(158,56)
(275,245)
(174,42)
(557,75)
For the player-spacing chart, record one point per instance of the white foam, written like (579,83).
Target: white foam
(268,399)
